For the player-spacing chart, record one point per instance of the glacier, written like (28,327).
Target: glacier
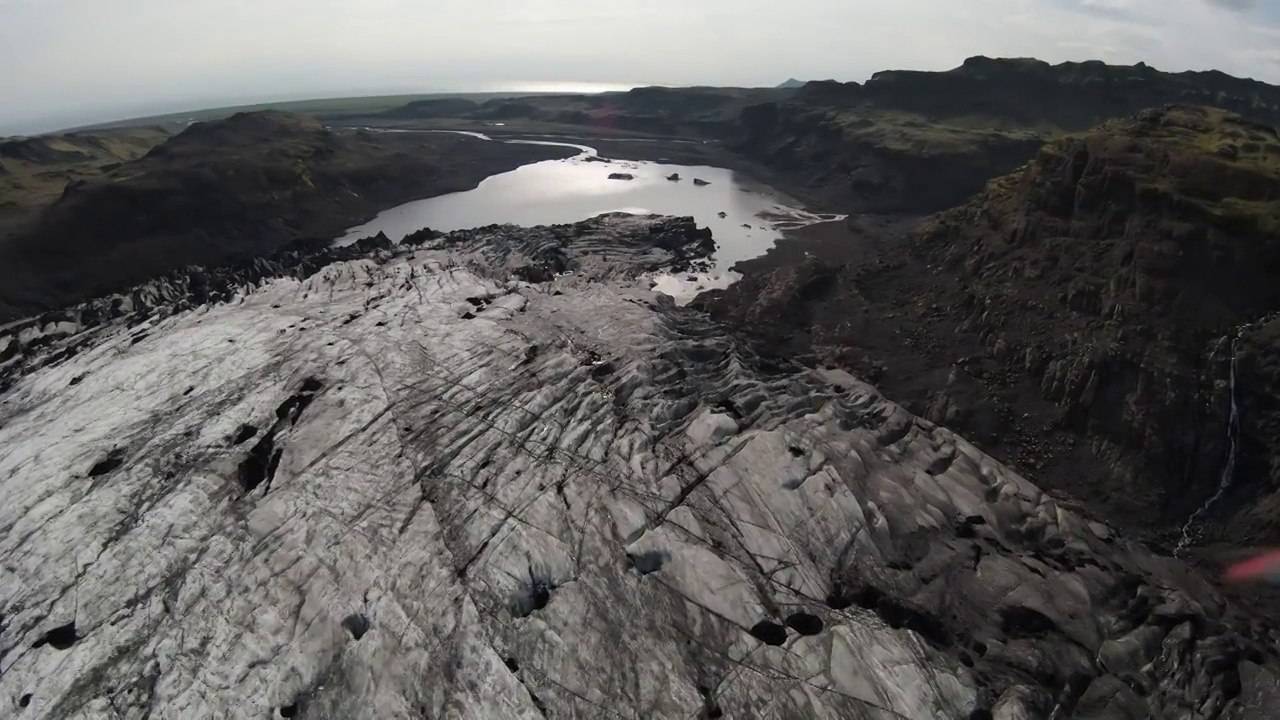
(492,474)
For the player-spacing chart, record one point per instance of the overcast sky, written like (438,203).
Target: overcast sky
(67,62)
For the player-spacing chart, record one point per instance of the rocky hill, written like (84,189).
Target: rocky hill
(925,141)
(871,160)
(1021,93)
(441,480)
(1078,317)
(246,184)
(904,141)
(34,171)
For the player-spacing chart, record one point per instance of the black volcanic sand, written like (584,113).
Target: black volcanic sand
(808,262)
(842,240)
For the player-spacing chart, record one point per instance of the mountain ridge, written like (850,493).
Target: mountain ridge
(902,142)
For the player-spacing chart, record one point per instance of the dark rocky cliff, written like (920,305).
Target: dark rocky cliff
(1114,270)
(1029,93)
(1079,313)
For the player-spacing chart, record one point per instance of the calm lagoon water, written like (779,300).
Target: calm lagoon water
(745,218)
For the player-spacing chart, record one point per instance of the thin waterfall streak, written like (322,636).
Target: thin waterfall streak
(1189,530)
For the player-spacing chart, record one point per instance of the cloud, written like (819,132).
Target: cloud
(1107,8)
(1236,5)
(68,62)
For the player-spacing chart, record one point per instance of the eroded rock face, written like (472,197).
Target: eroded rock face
(481,497)
(1078,318)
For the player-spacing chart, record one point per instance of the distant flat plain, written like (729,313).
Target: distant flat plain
(322,107)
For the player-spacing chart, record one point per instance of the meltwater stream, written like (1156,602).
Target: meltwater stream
(745,218)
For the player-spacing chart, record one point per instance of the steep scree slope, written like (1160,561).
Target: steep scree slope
(409,484)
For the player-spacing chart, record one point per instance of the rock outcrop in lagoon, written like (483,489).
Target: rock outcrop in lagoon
(402,482)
